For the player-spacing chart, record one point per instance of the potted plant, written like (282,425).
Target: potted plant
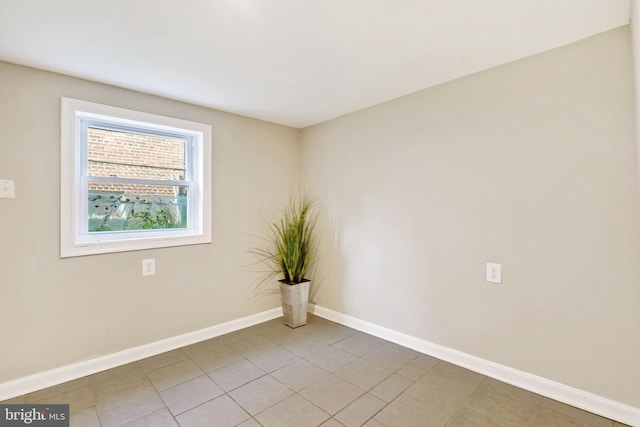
(289,254)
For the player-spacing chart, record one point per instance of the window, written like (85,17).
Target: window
(131,180)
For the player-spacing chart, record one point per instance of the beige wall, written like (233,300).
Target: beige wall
(54,312)
(531,165)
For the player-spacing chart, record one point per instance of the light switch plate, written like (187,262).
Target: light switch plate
(7,189)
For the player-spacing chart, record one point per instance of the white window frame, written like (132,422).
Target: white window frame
(75,239)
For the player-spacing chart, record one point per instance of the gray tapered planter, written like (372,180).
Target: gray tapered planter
(294,300)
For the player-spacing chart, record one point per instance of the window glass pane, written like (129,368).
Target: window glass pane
(134,155)
(122,207)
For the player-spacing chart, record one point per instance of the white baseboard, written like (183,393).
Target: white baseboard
(63,374)
(570,395)
(554,390)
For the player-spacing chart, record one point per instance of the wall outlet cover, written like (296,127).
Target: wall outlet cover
(494,272)
(149,267)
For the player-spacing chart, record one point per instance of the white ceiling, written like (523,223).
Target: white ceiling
(295,62)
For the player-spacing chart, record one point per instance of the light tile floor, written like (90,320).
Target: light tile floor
(320,374)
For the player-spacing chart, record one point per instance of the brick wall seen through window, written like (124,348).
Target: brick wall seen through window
(133,155)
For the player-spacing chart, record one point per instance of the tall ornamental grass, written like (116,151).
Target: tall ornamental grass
(291,248)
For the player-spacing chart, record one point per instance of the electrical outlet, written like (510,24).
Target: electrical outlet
(494,273)
(148,267)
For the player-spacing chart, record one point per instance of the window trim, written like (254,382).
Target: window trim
(75,242)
